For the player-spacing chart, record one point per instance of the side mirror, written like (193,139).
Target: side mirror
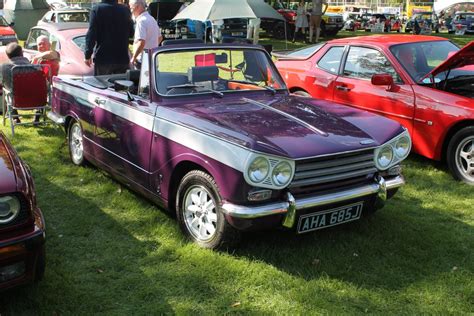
(385,80)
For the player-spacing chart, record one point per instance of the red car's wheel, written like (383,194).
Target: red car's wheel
(460,155)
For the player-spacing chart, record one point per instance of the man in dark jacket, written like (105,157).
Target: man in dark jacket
(110,27)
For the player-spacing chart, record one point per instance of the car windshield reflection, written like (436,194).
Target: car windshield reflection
(215,71)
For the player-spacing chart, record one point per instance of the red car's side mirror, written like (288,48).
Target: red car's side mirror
(384,80)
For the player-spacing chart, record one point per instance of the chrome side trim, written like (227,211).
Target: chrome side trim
(252,212)
(56,118)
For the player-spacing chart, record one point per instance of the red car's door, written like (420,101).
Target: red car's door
(353,87)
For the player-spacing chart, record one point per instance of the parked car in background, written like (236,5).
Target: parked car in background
(22,228)
(165,10)
(7,34)
(390,22)
(65,15)
(68,39)
(423,82)
(462,20)
(211,132)
(352,21)
(423,18)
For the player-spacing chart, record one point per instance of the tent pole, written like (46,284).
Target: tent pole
(286,37)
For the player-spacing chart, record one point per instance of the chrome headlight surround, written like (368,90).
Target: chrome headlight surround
(399,147)
(280,171)
(10,207)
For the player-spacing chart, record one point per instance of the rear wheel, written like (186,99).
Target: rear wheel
(460,155)
(199,213)
(75,142)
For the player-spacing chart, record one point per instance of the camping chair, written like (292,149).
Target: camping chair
(28,91)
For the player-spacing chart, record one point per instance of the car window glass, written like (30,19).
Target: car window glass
(31,41)
(80,42)
(363,63)
(54,42)
(332,59)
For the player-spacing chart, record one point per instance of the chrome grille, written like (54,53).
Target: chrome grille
(323,170)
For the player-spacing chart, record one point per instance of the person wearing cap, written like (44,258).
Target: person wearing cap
(110,27)
(147,32)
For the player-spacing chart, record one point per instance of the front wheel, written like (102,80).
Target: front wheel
(198,210)
(75,142)
(460,155)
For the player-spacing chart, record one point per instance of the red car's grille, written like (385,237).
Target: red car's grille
(331,172)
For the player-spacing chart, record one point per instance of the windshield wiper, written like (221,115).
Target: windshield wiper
(271,89)
(193,86)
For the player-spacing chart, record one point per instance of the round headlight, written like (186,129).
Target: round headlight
(282,173)
(9,208)
(167,31)
(402,147)
(385,156)
(258,169)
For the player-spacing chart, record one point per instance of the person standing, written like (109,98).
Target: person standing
(317,13)
(110,27)
(301,19)
(253,30)
(147,32)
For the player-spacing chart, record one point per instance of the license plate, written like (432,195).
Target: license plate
(237,33)
(332,217)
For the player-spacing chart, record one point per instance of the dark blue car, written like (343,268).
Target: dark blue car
(461,20)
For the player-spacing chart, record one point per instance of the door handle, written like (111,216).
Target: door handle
(342,88)
(99,101)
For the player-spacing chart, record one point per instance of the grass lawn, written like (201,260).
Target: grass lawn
(111,251)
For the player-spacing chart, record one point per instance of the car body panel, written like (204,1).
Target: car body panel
(22,240)
(427,113)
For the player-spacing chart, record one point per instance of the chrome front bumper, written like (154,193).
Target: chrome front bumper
(56,118)
(291,205)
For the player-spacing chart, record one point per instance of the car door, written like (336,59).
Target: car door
(353,87)
(321,80)
(123,132)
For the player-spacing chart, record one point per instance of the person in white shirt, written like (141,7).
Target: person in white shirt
(253,30)
(147,32)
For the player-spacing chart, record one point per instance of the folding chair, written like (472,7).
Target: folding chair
(28,91)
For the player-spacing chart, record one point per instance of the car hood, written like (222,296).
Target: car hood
(288,126)
(7,169)
(463,57)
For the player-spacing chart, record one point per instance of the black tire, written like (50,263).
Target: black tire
(302,93)
(75,144)
(460,155)
(223,234)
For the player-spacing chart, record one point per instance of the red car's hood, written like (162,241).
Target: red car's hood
(461,58)
(6,30)
(7,172)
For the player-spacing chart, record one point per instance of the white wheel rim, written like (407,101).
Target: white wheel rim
(200,213)
(75,143)
(465,158)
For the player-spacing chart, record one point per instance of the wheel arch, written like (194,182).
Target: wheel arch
(295,89)
(441,152)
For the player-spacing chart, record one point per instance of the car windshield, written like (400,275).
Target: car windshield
(3,22)
(73,17)
(421,58)
(80,42)
(302,53)
(217,71)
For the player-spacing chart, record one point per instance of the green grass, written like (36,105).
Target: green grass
(110,251)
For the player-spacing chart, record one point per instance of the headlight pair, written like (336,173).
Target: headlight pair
(269,172)
(393,152)
(9,208)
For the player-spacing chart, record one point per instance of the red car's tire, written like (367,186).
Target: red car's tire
(460,155)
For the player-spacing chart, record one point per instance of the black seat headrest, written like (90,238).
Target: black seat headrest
(133,75)
(200,74)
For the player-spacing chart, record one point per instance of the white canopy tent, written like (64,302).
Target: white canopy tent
(209,10)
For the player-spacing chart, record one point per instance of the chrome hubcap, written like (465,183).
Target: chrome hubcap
(465,157)
(200,214)
(75,143)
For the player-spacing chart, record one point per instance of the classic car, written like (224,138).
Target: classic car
(22,254)
(163,11)
(7,34)
(65,15)
(212,133)
(462,20)
(391,75)
(422,18)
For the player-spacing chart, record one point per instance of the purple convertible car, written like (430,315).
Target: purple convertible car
(212,133)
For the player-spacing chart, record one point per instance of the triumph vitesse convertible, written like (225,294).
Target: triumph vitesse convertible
(211,132)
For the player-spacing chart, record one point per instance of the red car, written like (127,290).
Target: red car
(21,222)
(426,83)
(7,34)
